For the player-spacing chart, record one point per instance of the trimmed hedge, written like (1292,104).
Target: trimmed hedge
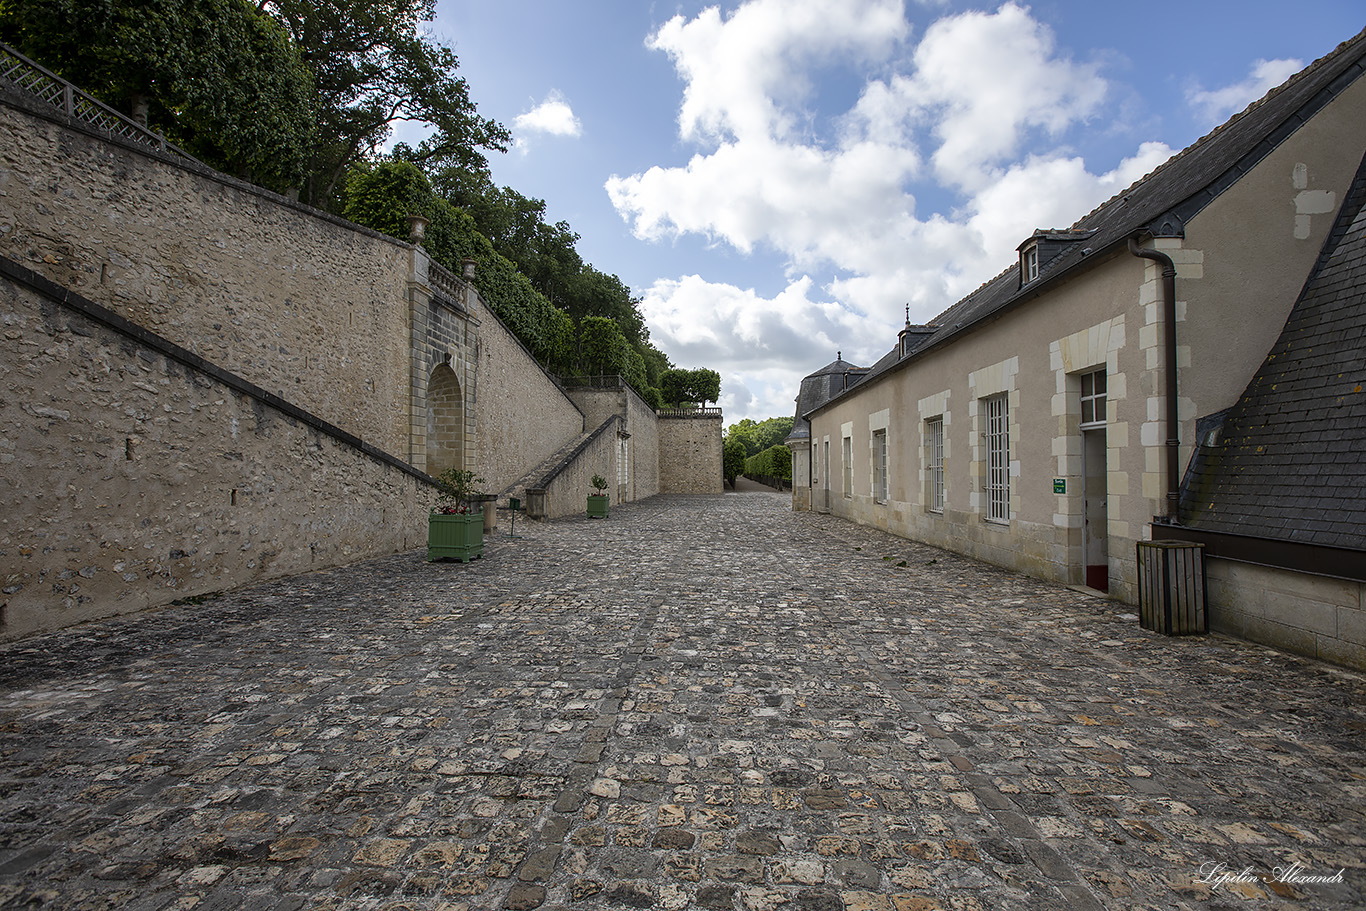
(773,464)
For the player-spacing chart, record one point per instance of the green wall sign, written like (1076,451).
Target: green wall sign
(1060,485)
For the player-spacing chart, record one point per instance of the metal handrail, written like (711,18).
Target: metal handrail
(45,85)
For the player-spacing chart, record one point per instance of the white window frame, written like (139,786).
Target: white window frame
(1029,264)
(934,451)
(880,465)
(1093,390)
(997,423)
(848,467)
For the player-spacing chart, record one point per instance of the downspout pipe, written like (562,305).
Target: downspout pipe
(1173,421)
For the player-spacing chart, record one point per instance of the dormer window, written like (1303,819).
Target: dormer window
(1029,264)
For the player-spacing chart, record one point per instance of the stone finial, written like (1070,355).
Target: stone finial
(417,229)
(467,269)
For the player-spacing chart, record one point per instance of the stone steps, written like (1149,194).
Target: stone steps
(518,488)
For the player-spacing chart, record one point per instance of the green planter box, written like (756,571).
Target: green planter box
(455,537)
(597,506)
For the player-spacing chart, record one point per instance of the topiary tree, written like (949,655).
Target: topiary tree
(704,385)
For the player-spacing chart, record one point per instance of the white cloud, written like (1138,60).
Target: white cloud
(761,346)
(840,197)
(981,110)
(1218,105)
(739,70)
(553,116)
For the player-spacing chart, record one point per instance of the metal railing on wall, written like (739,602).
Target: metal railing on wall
(600,381)
(41,83)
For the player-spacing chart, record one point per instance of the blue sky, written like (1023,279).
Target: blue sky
(778,179)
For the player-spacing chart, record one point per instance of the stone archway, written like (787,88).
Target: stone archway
(445,421)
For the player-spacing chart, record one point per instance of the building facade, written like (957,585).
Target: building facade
(1046,422)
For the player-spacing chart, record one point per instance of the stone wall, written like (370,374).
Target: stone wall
(565,492)
(1312,615)
(522,417)
(307,306)
(690,453)
(641,447)
(132,477)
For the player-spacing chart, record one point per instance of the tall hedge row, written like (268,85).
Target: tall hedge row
(774,462)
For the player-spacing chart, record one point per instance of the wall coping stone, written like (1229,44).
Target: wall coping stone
(16,98)
(88,308)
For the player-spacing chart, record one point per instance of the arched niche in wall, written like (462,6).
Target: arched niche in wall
(445,421)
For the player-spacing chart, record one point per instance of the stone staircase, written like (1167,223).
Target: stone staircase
(531,478)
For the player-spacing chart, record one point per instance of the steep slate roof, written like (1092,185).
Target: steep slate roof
(1160,203)
(817,388)
(1291,464)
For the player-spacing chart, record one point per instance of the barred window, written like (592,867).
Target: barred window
(934,450)
(848,466)
(998,460)
(880,466)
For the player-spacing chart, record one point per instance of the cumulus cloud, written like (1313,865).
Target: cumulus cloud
(1218,105)
(841,196)
(741,70)
(552,116)
(761,346)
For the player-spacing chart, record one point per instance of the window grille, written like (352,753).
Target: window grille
(934,443)
(880,466)
(998,460)
(848,466)
(1093,398)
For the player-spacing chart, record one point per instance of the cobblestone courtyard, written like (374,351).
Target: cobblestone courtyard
(702,702)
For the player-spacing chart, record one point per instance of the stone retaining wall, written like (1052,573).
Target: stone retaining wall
(307,306)
(565,491)
(130,478)
(690,458)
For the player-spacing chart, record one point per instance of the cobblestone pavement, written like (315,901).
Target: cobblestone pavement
(704,702)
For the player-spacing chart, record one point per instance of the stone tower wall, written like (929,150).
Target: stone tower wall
(690,453)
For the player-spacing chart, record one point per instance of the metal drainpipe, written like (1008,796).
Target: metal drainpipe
(1169,339)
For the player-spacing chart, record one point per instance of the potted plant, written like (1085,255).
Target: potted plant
(455,528)
(597,502)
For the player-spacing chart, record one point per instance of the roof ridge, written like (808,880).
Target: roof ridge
(1236,118)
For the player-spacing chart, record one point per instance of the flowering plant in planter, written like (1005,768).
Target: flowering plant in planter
(455,528)
(460,493)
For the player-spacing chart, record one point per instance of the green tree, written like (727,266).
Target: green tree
(603,350)
(743,434)
(733,460)
(704,385)
(382,195)
(374,68)
(673,386)
(214,76)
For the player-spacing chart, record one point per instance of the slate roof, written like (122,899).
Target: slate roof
(818,388)
(1160,203)
(1291,460)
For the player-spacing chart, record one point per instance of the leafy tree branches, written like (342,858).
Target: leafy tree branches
(373,68)
(214,76)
